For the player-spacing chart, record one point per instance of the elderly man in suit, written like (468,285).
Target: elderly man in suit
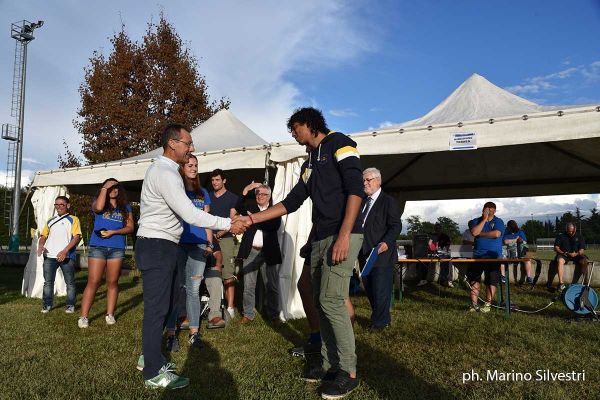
(379,221)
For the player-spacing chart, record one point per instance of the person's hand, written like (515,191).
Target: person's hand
(305,250)
(106,234)
(41,250)
(486,213)
(60,257)
(244,219)
(383,247)
(519,240)
(251,186)
(239,225)
(208,251)
(340,249)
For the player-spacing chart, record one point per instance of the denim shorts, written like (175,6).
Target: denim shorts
(106,253)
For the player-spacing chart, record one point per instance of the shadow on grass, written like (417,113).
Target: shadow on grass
(389,379)
(208,380)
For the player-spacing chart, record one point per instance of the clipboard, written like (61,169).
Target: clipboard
(370,262)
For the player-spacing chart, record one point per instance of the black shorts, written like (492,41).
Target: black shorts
(491,270)
(578,259)
(216,246)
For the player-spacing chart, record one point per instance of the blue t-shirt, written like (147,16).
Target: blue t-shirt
(488,247)
(193,234)
(109,220)
(511,236)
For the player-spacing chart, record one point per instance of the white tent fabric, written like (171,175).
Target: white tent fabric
(33,276)
(294,233)
(221,131)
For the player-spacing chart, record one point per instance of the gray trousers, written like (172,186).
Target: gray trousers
(331,284)
(254,264)
(214,285)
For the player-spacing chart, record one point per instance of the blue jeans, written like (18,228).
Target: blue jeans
(68,269)
(191,262)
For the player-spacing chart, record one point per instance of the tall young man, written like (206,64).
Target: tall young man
(332,178)
(223,204)
(163,204)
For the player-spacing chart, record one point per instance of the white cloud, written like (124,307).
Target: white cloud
(343,113)
(546,83)
(26,178)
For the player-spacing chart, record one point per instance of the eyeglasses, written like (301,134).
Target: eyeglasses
(368,180)
(188,144)
(261,194)
(59,205)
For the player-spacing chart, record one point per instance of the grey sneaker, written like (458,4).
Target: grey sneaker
(172,344)
(46,309)
(83,322)
(166,379)
(560,288)
(140,362)
(110,319)
(474,308)
(70,309)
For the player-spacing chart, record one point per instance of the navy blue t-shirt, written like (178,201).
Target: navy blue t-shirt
(220,206)
(488,247)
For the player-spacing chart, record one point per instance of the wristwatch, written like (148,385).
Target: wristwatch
(210,245)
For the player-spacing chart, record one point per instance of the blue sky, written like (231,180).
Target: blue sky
(364,63)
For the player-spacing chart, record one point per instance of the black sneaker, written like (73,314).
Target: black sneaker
(172,344)
(318,374)
(340,387)
(306,349)
(195,341)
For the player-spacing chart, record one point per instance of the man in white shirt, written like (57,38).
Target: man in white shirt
(163,204)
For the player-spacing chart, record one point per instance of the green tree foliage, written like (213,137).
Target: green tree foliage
(417,226)
(534,230)
(129,95)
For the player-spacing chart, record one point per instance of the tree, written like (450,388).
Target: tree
(127,97)
(450,228)
(534,229)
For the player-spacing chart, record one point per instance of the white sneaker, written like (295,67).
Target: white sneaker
(110,319)
(70,309)
(46,309)
(83,322)
(231,312)
(422,282)
(449,284)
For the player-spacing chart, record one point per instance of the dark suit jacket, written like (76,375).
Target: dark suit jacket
(382,225)
(271,250)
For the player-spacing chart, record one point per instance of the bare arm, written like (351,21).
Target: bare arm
(41,243)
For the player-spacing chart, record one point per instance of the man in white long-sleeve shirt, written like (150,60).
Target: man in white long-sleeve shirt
(163,206)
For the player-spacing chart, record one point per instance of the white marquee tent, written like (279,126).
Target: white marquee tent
(522,149)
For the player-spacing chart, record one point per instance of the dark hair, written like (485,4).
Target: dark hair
(490,204)
(171,131)
(65,198)
(218,172)
(512,226)
(122,201)
(197,187)
(310,116)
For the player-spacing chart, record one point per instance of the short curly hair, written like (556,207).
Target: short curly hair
(310,116)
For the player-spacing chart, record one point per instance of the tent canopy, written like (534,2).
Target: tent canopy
(522,150)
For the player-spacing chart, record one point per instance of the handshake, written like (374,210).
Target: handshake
(239,224)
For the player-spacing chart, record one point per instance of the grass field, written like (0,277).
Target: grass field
(431,343)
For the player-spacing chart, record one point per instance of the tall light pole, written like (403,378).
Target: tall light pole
(22,32)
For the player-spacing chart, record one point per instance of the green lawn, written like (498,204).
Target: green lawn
(432,342)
